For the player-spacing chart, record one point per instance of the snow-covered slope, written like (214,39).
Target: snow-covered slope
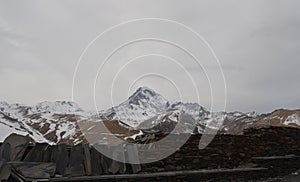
(58,107)
(146,109)
(51,122)
(57,122)
(281,117)
(8,126)
(146,104)
(142,105)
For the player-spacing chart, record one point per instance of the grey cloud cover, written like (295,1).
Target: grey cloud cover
(258,43)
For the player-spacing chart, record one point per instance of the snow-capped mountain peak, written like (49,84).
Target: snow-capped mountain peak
(146,97)
(143,104)
(143,92)
(57,107)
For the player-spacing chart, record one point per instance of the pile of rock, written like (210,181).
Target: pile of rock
(230,151)
(227,156)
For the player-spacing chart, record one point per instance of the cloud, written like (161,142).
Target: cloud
(256,41)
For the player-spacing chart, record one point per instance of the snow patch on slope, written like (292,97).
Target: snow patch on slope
(215,120)
(292,119)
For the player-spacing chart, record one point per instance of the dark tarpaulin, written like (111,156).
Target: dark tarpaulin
(14,147)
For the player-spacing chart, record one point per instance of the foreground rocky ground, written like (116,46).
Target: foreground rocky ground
(264,154)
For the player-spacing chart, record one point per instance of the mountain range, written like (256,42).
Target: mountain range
(143,112)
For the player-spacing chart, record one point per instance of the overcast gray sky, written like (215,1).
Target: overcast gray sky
(256,41)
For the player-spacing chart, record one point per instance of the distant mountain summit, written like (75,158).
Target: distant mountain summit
(141,105)
(144,98)
(145,104)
